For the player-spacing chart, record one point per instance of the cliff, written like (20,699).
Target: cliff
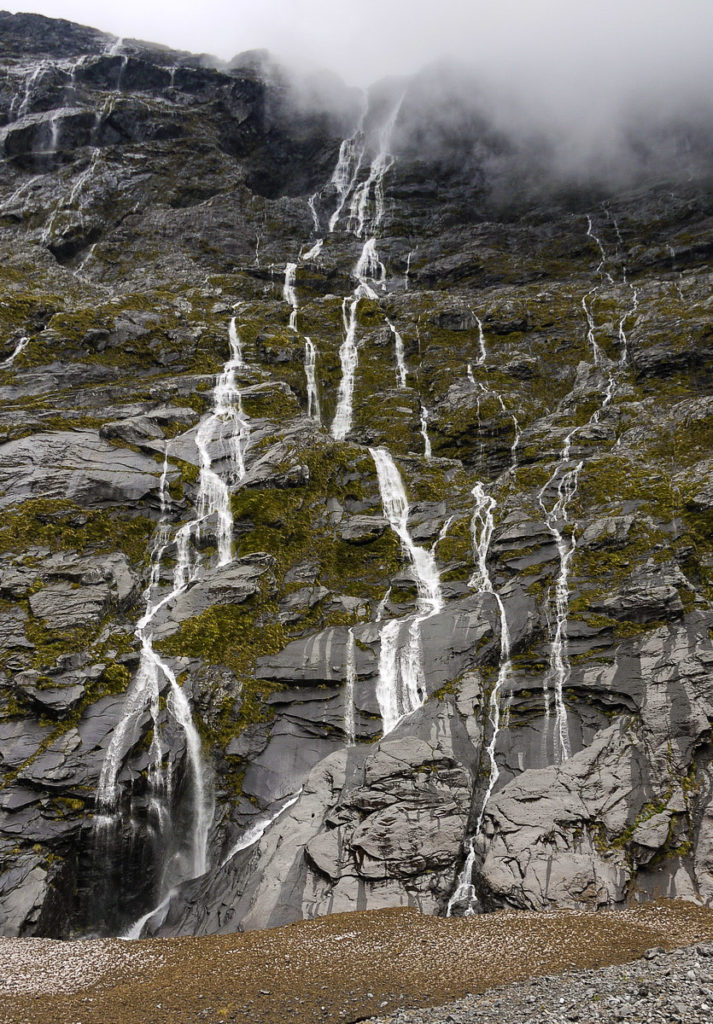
(355,468)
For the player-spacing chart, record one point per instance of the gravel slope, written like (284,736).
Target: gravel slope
(662,988)
(345,967)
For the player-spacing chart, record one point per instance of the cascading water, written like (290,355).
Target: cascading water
(349,359)
(485,392)
(289,294)
(564,479)
(314,252)
(366,209)
(313,409)
(401,370)
(369,270)
(401,686)
(349,684)
(427,453)
(312,203)
(481,341)
(18,108)
(562,486)
(407,274)
(20,347)
(254,833)
(464,896)
(226,429)
(344,176)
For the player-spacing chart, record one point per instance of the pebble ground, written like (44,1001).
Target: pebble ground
(387,966)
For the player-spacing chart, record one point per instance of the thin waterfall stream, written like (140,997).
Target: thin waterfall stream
(226,429)
(401,687)
(559,491)
(464,896)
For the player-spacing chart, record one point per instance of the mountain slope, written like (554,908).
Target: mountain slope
(355,483)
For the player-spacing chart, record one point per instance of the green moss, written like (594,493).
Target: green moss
(59,524)
(227,635)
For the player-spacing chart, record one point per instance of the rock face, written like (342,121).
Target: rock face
(355,545)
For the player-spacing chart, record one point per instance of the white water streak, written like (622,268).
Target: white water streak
(312,203)
(482,525)
(366,210)
(349,359)
(20,347)
(401,685)
(226,425)
(401,370)
(344,176)
(427,453)
(254,833)
(481,342)
(289,293)
(349,686)
(314,251)
(408,271)
(313,409)
(369,270)
(565,478)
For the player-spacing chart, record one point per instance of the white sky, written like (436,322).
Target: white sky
(549,45)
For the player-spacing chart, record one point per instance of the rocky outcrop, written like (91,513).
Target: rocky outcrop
(208,594)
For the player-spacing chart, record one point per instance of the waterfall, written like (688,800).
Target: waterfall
(401,686)
(601,268)
(427,454)
(225,427)
(31,80)
(481,341)
(314,251)
(516,441)
(401,371)
(564,479)
(482,525)
(20,347)
(349,684)
(344,176)
(366,210)
(257,830)
(408,272)
(368,268)
(311,202)
(485,392)
(157,915)
(289,294)
(349,359)
(564,482)
(313,409)
(632,311)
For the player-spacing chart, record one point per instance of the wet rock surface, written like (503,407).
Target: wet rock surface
(534,356)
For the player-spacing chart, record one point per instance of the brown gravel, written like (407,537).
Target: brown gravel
(340,968)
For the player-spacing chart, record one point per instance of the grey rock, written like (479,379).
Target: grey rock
(64,606)
(362,529)
(20,740)
(79,465)
(228,584)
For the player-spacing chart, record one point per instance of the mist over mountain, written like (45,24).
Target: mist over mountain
(355,472)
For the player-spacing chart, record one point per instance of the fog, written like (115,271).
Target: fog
(582,74)
(562,50)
